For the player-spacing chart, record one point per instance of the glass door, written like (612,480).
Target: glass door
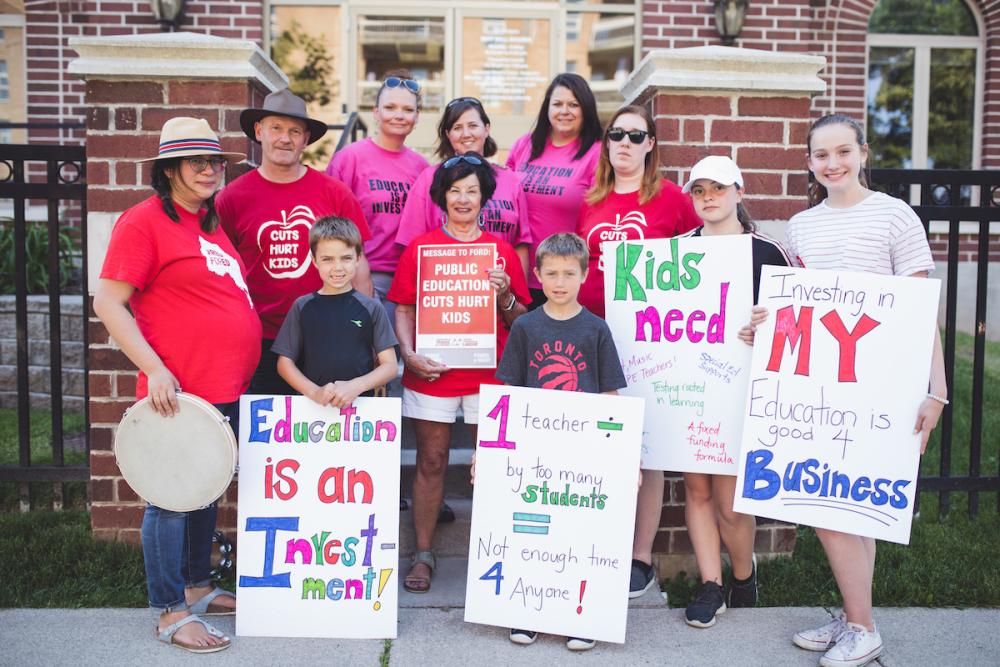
(506,57)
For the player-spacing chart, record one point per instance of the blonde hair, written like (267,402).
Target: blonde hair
(604,178)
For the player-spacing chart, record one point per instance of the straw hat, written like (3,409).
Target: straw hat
(282,103)
(189,137)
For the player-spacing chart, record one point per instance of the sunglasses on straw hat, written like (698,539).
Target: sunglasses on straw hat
(191,137)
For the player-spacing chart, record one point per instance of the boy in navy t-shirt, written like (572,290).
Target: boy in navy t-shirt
(336,344)
(561,345)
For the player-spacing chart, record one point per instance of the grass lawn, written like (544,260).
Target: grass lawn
(40,427)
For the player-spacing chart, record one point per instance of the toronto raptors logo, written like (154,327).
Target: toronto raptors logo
(631,226)
(559,365)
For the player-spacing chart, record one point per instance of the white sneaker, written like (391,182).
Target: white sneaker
(580,644)
(855,647)
(821,638)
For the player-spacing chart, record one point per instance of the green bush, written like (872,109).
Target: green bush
(36,244)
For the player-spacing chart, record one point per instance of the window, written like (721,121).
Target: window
(4,82)
(924,95)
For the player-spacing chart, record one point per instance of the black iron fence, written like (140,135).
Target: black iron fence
(43,193)
(966,204)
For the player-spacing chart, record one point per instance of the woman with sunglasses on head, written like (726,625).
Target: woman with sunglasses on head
(380,171)
(172,295)
(432,392)
(556,161)
(465,128)
(716,188)
(630,200)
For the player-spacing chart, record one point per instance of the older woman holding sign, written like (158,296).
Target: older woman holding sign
(172,296)
(432,391)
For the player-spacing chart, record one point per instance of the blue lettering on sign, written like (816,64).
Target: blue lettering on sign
(270,526)
(256,419)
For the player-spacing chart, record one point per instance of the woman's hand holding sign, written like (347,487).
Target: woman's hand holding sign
(424,367)
(757,316)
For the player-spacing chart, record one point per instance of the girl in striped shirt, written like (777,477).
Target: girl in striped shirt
(851,228)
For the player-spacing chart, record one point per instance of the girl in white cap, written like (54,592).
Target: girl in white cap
(716,189)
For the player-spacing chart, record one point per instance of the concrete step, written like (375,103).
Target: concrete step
(450,539)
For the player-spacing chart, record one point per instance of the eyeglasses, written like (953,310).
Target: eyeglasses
(464,100)
(471,159)
(396,81)
(198,164)
(635,136)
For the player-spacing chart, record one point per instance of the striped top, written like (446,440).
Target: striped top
(879,235)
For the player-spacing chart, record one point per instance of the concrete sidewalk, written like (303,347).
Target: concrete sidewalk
(432,632)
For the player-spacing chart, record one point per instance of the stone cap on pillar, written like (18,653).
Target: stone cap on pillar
(724,69)
(186,55)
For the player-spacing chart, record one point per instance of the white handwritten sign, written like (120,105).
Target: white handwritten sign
(554,507)
(318,519)
(674,307)
(839,370)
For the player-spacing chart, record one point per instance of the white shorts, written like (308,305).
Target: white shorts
(440,408)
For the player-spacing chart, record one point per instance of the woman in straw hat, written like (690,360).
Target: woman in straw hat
(172,295)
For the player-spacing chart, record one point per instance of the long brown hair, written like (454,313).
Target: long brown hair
(817,192)
(604,178)
(160,182)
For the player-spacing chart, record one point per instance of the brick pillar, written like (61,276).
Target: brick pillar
(134,84)
(752,106)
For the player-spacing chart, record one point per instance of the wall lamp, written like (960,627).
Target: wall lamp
(729,16)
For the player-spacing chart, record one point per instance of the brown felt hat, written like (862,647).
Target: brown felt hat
(282,103)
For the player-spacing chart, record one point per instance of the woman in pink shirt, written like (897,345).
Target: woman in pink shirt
(380,171)
(465,128)
(556,161)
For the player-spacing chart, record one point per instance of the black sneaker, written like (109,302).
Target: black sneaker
(707,603)
(743,593)
(446,514)
(523,637)
(643,578)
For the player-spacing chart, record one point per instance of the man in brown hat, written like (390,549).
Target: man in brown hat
(268,213)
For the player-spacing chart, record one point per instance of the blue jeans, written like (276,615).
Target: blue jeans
(177,546)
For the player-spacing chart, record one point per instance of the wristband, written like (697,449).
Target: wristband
(510,306)
(940,399)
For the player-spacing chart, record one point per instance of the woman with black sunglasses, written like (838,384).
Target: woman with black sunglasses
(433,392)
(630,200)
(380,171)
(555,162)
(465,128)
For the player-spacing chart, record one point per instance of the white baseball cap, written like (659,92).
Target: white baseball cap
(718,168)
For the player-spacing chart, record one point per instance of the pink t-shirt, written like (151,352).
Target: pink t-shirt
(505,215)
(620,217)
(381,180)
(554,184)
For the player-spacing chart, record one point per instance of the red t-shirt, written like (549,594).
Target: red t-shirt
(190,301)
(269,224)
(458,381)
(619,218)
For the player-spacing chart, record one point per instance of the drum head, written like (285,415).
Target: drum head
(180,463)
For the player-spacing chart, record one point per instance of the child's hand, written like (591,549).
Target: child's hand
(927,418)
(323,395)
(472,470)
(757,316)
(344,392)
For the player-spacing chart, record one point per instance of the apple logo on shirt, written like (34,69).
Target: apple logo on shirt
(284,244)
(223,264)
(618,231)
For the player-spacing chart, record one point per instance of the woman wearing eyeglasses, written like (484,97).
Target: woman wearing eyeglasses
(556,161)
(630,200)
(432,392)
(172,295)
(381,170)
(465,128)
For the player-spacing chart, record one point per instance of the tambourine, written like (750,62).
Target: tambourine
(180,463)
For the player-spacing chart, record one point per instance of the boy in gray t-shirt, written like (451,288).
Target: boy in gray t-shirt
(561,345)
